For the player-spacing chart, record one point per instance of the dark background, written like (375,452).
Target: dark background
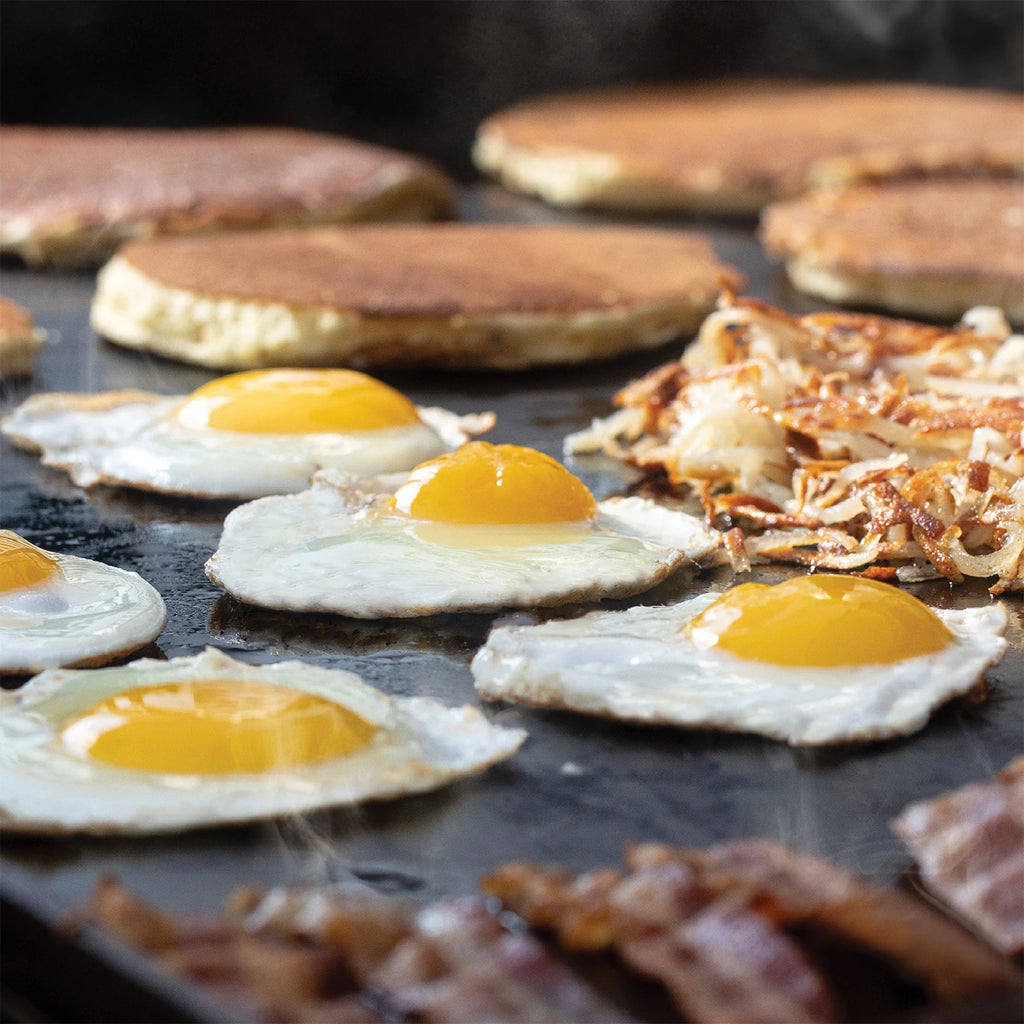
(420,75)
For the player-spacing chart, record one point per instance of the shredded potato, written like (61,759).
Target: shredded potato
(840,441)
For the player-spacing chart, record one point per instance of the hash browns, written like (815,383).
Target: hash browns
(840,441)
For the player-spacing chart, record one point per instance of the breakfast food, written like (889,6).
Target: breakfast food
(733,146)
(240,436)
(20,339)
(356,955)
(840,441)
(71,196)
(730,931)
(59,610)
(467,296)
(163,746)
(968,845)
(929,248)
(814,660)
(484,528)
(747,931)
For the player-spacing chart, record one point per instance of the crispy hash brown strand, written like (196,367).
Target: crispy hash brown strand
(969,846)
(840,441)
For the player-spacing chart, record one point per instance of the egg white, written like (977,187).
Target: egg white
(133,439)
(419,745)
(638,666)
(87,613)
(337,547)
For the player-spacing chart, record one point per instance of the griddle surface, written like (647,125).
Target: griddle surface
(579,790)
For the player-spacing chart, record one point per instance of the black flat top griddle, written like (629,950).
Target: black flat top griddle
(579,790)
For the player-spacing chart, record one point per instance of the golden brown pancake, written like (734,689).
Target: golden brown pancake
(930,248)
(734,146)
(20,339)
(72,195)
(454,295)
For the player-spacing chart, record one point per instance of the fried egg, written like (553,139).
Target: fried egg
(163,746)
(60,610)
(815,660)
(241,436)
(482,528)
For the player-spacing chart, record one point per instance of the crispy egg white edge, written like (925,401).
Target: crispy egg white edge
(334,548)
(127,615)
(244,465)
(628,665)
(420,745)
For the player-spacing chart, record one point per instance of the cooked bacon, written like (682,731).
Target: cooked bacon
(793,888)
(732,933)
(716,927)
(271,978)
(130,919)
(787,422)
(969,847)
(718,960)
(575,906)
(727,963)
(461,965)
(308,954)
(361,925)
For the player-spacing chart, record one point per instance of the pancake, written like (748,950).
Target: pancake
(928,248)
(467,296)
(733,146)
(70,196)
(20,339)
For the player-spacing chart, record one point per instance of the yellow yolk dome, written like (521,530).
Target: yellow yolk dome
(820,620)
(22,564)
(495,484)
(287,401)
(215,726)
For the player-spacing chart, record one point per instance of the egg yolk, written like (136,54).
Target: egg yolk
(22,564)
(495,484)
(215,726)
(820,621)
(296,402)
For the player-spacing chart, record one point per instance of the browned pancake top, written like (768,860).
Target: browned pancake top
(765,135)
(440,269)
(966,227)
(15,320)
(195,177)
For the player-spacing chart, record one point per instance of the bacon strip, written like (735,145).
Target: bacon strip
(793,888)
(718,959)
(969,846)
(316,955)
(731,934)
(461,966)
(689,918)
